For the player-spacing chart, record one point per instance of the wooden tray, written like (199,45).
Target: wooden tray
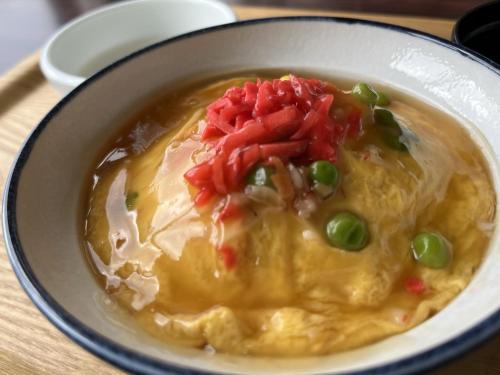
(29,344)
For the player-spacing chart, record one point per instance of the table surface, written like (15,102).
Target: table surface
(29,344)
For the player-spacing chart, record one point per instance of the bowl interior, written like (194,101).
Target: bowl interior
(45,193)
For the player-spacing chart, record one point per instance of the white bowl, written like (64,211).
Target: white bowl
(96,39)
(42,204)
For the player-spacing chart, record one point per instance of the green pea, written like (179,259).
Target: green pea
(395,140)
(324,172)
(347,231)
(431,250)
(391,130)
(365,93)
(384,117)
(131,200)
(382,99)
(261,176)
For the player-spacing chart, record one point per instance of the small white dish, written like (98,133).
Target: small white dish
(99,38)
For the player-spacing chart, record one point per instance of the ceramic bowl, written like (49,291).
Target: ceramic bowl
(96,39)
(479,30)
(42,203)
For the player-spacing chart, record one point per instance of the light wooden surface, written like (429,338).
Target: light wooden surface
(29,344)
(439,27)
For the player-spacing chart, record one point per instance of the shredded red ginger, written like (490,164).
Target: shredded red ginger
(228,256)
(287,119)
(414,285)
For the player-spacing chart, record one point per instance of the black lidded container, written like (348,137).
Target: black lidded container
(479,30)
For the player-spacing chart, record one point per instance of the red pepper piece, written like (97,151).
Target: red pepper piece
(230,211)
(219,104)
(283,150)
(321,150)
(210,131)
(240,121)
(301,91)
(252,132)
(250,157)
(229,114)
(203,197)
(414,285)
(324,131)
(228,255)
(250,90)
(200,175)
(233,175)
(234,94)
(284,91)
(283,122)
(323,104)
(311,119)
(218,174)
(266,99)
(224,127)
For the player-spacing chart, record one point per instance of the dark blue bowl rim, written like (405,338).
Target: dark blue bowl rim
(135,362)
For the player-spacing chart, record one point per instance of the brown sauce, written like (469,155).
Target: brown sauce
(291,293)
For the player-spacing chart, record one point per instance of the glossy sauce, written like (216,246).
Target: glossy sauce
(289,293)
